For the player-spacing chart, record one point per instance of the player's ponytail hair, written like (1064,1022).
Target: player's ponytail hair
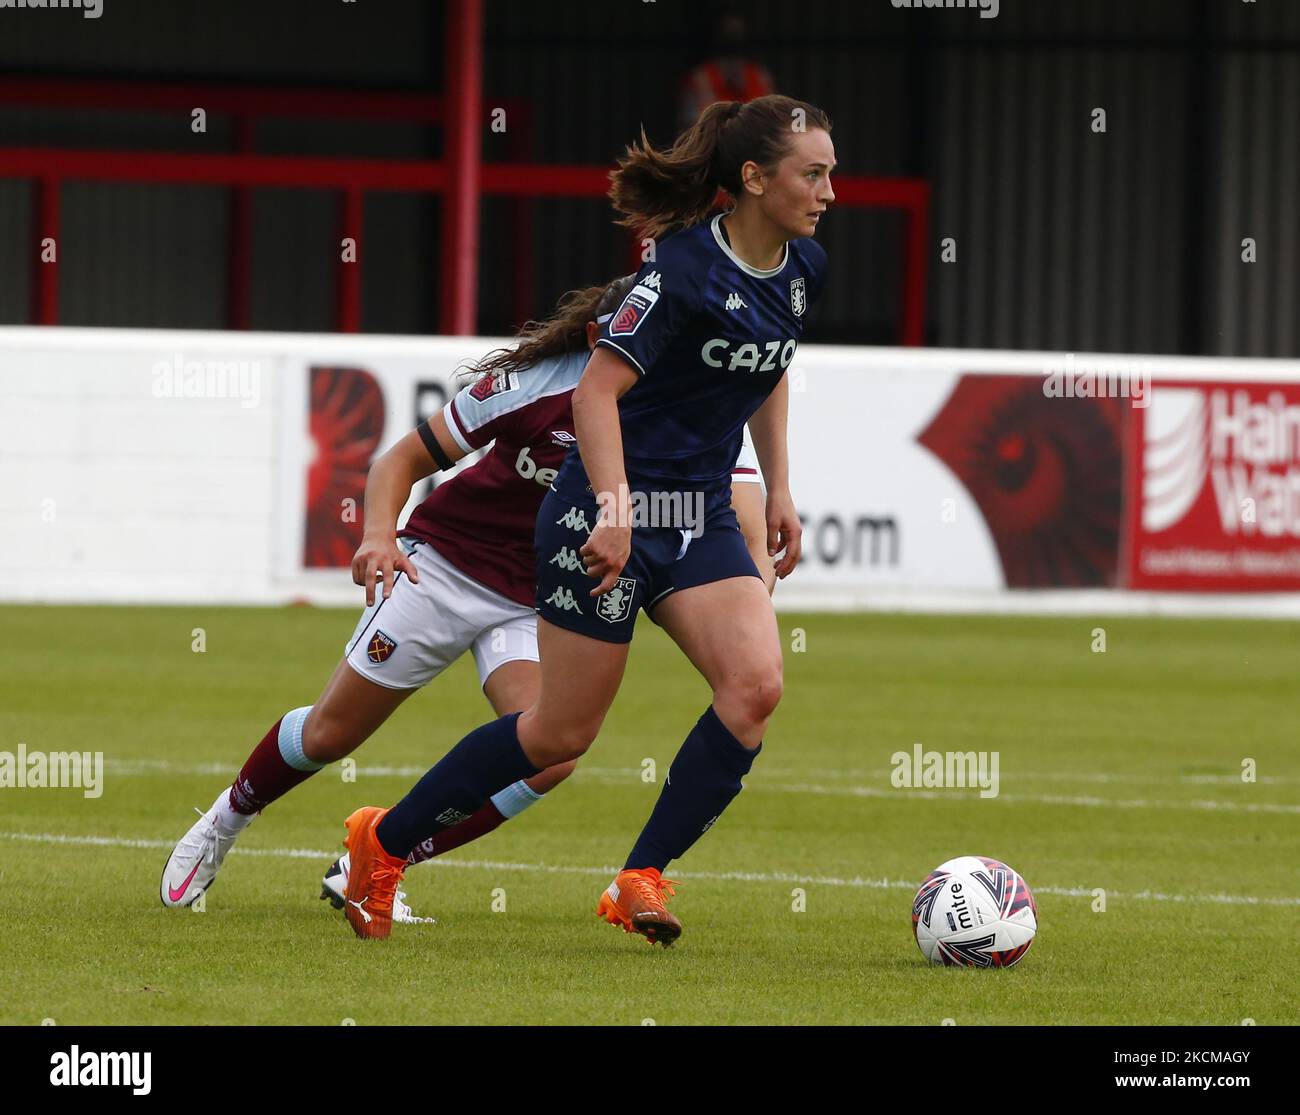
(656,192)
(563,332)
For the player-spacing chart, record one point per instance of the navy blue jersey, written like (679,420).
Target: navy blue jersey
(710,337)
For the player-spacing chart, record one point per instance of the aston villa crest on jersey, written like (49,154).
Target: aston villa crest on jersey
(798,299)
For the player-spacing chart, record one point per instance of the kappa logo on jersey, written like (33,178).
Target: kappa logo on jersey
(562,598)
(735,302)
(563,437)
(575,519)
(498,383)
(380,649)
(567,559)
(616,604)
(798,297)
(636,307)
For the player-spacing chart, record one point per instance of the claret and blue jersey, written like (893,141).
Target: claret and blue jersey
(710,337)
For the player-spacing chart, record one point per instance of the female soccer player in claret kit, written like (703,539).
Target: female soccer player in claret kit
(459,578)
(697,348)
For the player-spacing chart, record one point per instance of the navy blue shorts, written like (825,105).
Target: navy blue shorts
(663,560)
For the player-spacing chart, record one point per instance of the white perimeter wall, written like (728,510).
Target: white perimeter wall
(110,493)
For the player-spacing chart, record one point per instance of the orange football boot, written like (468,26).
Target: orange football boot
(373,876)
(635,901)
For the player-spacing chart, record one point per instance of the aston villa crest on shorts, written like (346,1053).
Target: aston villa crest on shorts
(798,300)
(380,649)
(616,605)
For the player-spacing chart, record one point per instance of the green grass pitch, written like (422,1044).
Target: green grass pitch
(1119,772)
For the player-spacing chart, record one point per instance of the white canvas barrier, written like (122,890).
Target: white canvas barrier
(169,466)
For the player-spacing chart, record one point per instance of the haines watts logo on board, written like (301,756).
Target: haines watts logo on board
(1214,487)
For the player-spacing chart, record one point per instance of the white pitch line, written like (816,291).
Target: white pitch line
(1036,799)
(616,776)
(606,872)
(382,770)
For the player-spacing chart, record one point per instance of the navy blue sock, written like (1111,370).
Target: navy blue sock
(485,761)
(703,779)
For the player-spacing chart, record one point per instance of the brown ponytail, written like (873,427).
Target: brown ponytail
(657,192)
(564,331)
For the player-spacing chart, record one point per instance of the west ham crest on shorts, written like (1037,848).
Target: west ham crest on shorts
(380,649)
(616,605)
(798,300)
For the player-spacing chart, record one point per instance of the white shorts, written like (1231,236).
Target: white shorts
(406,641)
(745,470)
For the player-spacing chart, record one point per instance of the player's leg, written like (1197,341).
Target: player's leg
(583,649)
(508,655)
(728,630)
(751,513)
(718,611)
(297,745)
(391,654)
(579,679)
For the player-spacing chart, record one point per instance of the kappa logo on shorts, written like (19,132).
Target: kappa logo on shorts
(798,297)
(562,598)
(575,519)
(567,559)
(616,605)
(380,649)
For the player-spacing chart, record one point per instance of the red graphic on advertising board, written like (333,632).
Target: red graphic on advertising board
(1213,495)
(346,421)
(1045,473)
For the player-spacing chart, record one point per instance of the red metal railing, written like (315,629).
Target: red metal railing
(461,181)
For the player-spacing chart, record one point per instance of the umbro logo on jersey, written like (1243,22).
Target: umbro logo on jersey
(567,559)
(575,519)
(735,302)
(562,598)
(562,437)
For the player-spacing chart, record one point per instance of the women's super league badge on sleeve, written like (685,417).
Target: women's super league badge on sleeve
(616,604)
(380,649)
(636,306)
(798,297)
(495,383)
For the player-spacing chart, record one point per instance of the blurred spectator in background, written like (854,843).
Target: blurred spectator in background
(727,74)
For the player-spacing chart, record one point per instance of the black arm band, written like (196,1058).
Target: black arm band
(436,451)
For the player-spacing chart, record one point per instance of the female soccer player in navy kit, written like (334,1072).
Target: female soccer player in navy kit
(459,579)
(698,348)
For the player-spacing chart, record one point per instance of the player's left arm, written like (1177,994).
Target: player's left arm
(767,428)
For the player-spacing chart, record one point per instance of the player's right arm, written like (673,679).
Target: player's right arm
(388,487)
(605,380)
